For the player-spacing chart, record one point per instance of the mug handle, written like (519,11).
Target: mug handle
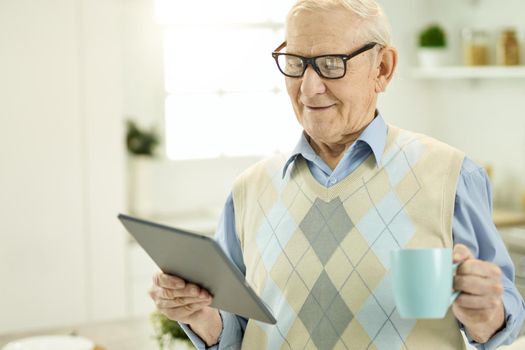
(456,293)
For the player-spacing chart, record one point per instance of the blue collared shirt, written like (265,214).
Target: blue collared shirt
(472,226)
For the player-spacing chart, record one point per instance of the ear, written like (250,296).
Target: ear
(385,66)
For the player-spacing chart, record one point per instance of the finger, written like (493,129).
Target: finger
(190,291)
(465,315)
(480,268)
(193,290)
(461,253)
(184,312)
(476,285)
(161,293)
(476,302)
(168,281)
(179,302)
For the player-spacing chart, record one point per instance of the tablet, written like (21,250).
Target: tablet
(199,259)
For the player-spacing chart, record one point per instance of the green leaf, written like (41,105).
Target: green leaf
(432,36)
(140,142)
(166,330)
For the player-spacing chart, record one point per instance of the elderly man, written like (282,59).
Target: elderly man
(312,232)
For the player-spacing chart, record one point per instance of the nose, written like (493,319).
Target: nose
(312,84)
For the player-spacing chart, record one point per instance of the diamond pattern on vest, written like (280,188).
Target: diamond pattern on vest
(325,309)
(325,226)
(325,264)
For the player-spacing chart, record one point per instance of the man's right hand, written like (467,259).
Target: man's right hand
(187,303)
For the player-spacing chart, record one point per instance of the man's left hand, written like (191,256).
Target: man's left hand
(479,307)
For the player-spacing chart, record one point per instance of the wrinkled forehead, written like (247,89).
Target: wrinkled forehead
(314,32)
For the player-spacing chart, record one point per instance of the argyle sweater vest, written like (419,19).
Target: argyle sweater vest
(320,257)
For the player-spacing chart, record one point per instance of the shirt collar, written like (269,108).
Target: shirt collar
(374,136)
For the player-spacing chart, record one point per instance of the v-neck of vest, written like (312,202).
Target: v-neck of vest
(355,180)
(350,183)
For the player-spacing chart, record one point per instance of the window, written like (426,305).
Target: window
(225,96)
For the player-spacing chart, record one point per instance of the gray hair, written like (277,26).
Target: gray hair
(376,28)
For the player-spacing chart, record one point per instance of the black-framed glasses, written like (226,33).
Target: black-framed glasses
(327,66)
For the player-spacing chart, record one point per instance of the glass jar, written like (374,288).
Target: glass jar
(508,50)
(475,47)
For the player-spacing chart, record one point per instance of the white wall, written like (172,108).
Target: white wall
(100,64)
(405,103)
(142,64)
(41,188)
(62,258)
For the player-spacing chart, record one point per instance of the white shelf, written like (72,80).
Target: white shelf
(461,72)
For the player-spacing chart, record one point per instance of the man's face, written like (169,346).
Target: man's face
(331,111)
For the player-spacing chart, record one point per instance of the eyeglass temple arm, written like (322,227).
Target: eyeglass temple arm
(280,47)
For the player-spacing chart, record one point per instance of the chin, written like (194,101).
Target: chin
(320,137)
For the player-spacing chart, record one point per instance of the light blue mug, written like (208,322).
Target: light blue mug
(422,282)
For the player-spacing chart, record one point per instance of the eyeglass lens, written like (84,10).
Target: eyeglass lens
(329,66)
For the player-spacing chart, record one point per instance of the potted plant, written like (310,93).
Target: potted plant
(168,334)
(139,141)
(432,46)
(141,144)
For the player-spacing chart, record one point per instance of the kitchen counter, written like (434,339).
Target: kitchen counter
(506,218)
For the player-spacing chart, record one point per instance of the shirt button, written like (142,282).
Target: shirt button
(333,180)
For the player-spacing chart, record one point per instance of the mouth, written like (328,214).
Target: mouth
(318,108)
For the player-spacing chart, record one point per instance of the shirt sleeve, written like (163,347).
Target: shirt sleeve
(233,326)
(473,226)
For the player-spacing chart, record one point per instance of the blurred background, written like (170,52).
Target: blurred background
(154,107)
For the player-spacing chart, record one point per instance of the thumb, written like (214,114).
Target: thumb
(461,253)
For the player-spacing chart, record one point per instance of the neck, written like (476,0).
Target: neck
(332,153)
